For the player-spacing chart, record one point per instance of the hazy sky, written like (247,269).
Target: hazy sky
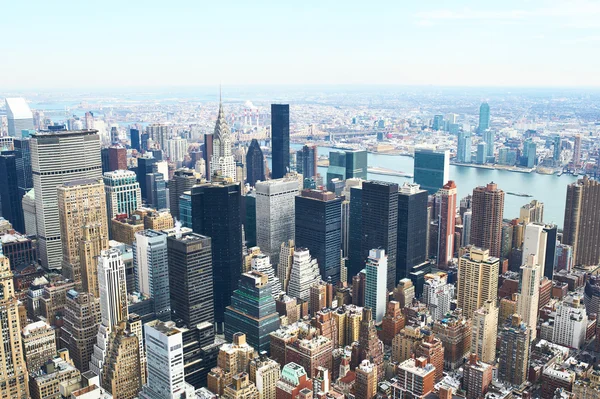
(106,43)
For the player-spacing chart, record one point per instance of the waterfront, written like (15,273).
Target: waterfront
(549,189)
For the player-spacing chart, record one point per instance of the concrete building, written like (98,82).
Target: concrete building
(455,333)
(260,262)
(265,373)
(532,212)
(513,354)
(535,242)
(437,294)
(45,382)
(415,379)
(79,152)
(241,388)
(528,298)
(275,214)
(177,149)
(286,260)
(571,322)
(183,180)
(304,273)
(39,344)
(123,193)
(486,221)
(19,116)
(477,280)
(477,377)
(376,283)
(123,373)
(365,386)
(484,332)
(446,224)
(582,221)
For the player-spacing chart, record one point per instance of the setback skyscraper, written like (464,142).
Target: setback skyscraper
(79,154)
(318,228)
(222,162)
(255,164)
(431,169)
(280,138)
(486,221)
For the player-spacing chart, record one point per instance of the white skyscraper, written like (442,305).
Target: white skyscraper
(534,243)
(79,156)
(123,194)
(529,297)
(305,272)
(223,161)
(275,213)
(262,263)
(437,295)
(151,264)
(177,149)
(376,281)
(19,116)
(164,351)
(570,323)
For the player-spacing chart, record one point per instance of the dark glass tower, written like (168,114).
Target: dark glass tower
(551,237)
(10,200)
(216,213)
(23,161)
(355,233)
(306,161)
(255,164)
(207,153)
(252,311)
(280,138)
(412,229)
(156,187)
(380,223)
(105,160)
(484,118)
(135,139)
(145,166)
(183,180)
(319,228)
(250,219)
(356,164)
(190,279)
(431,169)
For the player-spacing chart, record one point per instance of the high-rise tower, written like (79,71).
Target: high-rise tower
(484,118)
(582,221)
(79,154)
(446,224)
(19,116)
(183,180)
(431,169)
(123,193)
(477,280)
(255,164)
(412,229)
(280,138)
(376,282)
(222,162)
(486,220)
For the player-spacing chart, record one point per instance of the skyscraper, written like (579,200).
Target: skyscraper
(304,273)
(190,278)
(113,289)
(306,161)
(431,169)
(380,223)
(222,162)
(582,221)
(265,373)
(216,214)
(412,229)
(164,347)
(355,260)
(145,166)
(529,295)
(255,164)
(275,214)
(532,212)
(262,263)
(446,224)
(463,153)
(513,353)
(484,333)
(156,190)
(489,138)
(23,163)
(134,134)
(318,228)
(571,322)
(79,152)
(10,199)
(366,380)
(486,221)
(477,280)
(369,345)
(252,311)
(183,180)
(280,138)
(484,118)
(123,194)
(577,151)
(13,370)
(376,283)
(150,257)
(159,134)
(19,116)
(437,294)
(80,203)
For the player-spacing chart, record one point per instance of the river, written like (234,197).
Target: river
(549,189)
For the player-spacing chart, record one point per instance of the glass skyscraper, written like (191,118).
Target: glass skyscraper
(484,118)
(255,164)
(463,153)
(412,229)
(431,170)
(346,165)
(280,138)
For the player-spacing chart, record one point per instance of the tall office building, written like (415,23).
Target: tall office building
(23,164)
(39,344)
(280,139)
(431,169)
(380,223)
(446,224)
(112,286)
(355,260)
(570,323)
(275,214)
(577,151)
(484,118)
(79,152)
(489,138)
(80,326)
(207,153)
(150,258)
(437,295)
(477,280)
(164,351)
(190,278)
(255,164)
(306,161)
(345,165)
(13,370)
(304,273)
(286,260)
(369,345)
(10,199)
(159,134)
(117,158)
(81,203)
(582,221)
(177,149)
(318,228)
(529,295)
(123,372)
(183,180)
(135,138)
(551,250)
(145,165)
(463,153)
(484,332)
(156,190)
(532,212)
(376,283)
(222,162)
(252,311)
(216,214)
(19,116)
(535,243)
(412,229)
(123,193)
(513,353)
(466,234)
(486,221)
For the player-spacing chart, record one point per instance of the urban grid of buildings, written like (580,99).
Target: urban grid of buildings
(155,263)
